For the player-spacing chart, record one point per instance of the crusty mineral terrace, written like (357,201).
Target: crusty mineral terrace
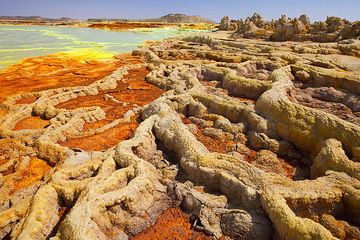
(195,138)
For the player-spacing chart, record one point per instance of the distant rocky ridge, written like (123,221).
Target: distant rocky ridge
(181,18)
(39,21)
(334,29)
(34,18)
(170,18)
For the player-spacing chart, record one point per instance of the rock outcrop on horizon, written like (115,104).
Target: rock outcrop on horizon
(191,138)
(227,25)
(180,18)
(300,29)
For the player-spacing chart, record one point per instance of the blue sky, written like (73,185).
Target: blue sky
(82,9)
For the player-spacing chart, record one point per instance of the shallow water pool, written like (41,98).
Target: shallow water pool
(18,42)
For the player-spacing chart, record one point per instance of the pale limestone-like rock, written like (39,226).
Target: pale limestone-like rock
(121,191)
(302,76)
(226,24)
(332,157)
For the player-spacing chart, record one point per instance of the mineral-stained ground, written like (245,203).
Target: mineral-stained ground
(193,138)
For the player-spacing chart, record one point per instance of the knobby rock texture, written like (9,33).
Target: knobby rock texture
(192,138)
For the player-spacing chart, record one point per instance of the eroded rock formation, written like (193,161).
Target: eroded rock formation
(217,139)
(227,25)
(334,29)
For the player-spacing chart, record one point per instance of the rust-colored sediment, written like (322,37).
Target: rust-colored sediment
(251,157)
(3,161)
(52,71)
(104,140)
(127,58)
(31,122)
(26,100)
(172,224)
(121,26)
(35,172)
(212,144)
(287,166)
(132,89)
(138,90)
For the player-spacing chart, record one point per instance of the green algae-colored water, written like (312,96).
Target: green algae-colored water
(18,42)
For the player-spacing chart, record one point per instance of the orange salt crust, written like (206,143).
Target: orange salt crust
(251,157)
(172,224)
(127,58)
(212,144)
(128,25)
(2,161)
(56,71)
(132,89)
(26,100)
(35,172)
(104,140)
(288,166)
(31,122)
